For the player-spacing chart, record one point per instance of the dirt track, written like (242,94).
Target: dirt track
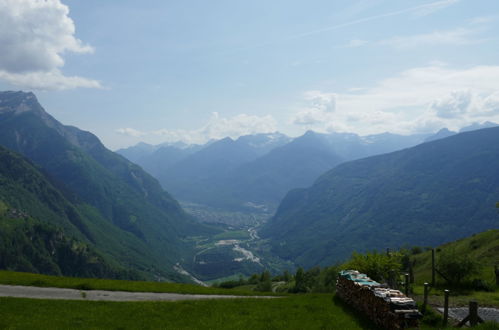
(72,294)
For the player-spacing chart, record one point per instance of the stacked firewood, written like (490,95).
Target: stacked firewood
(386,307)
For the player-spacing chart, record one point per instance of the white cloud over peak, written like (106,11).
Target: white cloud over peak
(452,105)
(34,35)
(217,127)
(130,132)
(320,109)
(416,100)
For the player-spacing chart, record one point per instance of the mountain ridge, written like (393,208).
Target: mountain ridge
(120,191)
(424,195)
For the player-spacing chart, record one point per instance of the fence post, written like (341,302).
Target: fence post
(425,299)
(411,273)
(446,307)
(473,316)
(392,279)
(433,268)
(473,313)
(406,284)
(496,271)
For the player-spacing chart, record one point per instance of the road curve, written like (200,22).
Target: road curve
(100,295)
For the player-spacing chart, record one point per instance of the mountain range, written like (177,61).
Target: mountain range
(255,172)
(424,195)
(119,209)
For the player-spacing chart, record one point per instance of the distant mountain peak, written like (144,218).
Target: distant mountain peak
(477,125)
(17,102)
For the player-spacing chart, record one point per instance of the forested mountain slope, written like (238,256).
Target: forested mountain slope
(425,195)
(104,184)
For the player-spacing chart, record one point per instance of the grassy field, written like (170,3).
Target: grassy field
(17,278)
(483,247)
(296,312)
(305,311)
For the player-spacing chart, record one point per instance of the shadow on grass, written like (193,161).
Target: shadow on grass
(361,320)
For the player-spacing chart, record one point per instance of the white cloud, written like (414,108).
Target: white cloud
(459,37)
(417,100)
(130,132)
(490,104)
(320,108)
(216,128)
(34,35)
(453,105)
(434,7)
(354,43)
(50,80)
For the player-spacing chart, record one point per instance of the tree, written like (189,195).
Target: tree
(456,267)
(265,284)
(377,266)
(300,281)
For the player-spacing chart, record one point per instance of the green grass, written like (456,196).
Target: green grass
(483,247)
(297,312)
(17,278)
(458,298)
(318,311)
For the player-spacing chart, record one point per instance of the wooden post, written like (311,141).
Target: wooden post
(392,280)
(473,313)
(407,285)
(472,317)
(387,252)
(496,271)
(433,268)
(446,307)
(425,298)
(411,273)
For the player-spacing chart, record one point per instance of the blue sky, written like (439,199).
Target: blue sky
(157,71)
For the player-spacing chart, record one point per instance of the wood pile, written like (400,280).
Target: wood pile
(386,307)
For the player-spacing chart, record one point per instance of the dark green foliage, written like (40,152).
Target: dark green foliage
(377,266)
(253,279)
(425,195)
(232,284)
(431,317)
(31,246)
(315,280)
(416,250)
(97,195)
(455,267)
(265,283)
(479,284)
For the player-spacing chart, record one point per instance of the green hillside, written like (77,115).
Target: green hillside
(425,195)
(482,247)
(120,208)
(40,230)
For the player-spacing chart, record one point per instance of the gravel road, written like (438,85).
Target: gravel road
(72,294)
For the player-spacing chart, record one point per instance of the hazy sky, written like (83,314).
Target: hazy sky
(161,70)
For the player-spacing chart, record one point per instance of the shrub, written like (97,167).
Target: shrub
(456,267)
(377,266)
